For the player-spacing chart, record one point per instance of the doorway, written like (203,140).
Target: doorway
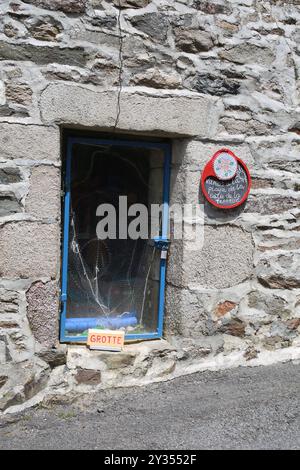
(115,237)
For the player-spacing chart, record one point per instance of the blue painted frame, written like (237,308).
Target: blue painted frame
(163,239)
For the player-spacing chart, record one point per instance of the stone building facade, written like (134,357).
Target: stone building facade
(203,75)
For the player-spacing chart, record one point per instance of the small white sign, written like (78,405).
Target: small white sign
(106,340)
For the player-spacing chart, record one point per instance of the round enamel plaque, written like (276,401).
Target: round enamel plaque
(225,166)
(225,180)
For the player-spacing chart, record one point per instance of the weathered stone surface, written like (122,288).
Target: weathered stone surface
(9,301)
(293,324)
(6,111)
(216,85)
(107,21)
(83,358)
(225,260)
(45,28)
(4,353)
(279,272)
(212,8)
(189,312)
(88,377)
(191,348)
(77,104)
(262,183)
(67,6)
(271,204)
(155,79)
(19,93)
(43,311)
(43,54)
(228,27)
(18,141)
(10,175)
(250,353)
(290,166)
(224,307)
(36,383)
(143,360)
(245,126)
(11,397)
(154,25)
(193,41)
(3,380)
(9,204)
(269,303)
(131,3)
(10,31)
(118,361)
(31,248)
(43,199)
(6,324)
(233,328)
(55,357)
(27,379)
(247,54)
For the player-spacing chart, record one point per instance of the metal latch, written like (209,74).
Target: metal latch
(162,244)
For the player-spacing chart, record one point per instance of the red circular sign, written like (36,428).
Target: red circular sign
(225,180)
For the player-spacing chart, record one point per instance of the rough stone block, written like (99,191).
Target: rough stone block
(225,260)
(224,307)
(44,29)
(153,24)
(88,377)
(3,348)
(67,6)
(187,312)
(18,141)
(10,175)
(248,54)
(271,204)
(29,250)
(9,204)
(233,328)
(42,312)
(211,8)
(43,55)
(270,303)
(216,85)
(19,93)
(118,361)
(3,380)
(83,358)
(55,357)
(9,301)
(162,114)
(193,41)
(153,78)
(43,200)
(131,3)
(279,271)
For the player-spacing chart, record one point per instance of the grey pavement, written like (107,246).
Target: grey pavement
(243,408)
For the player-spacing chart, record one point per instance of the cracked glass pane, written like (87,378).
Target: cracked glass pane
(113,283)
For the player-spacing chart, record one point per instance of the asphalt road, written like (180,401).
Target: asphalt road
(244,408)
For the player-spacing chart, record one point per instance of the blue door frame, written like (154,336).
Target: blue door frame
(161,242)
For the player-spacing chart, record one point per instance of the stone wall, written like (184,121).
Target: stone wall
(205,74)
